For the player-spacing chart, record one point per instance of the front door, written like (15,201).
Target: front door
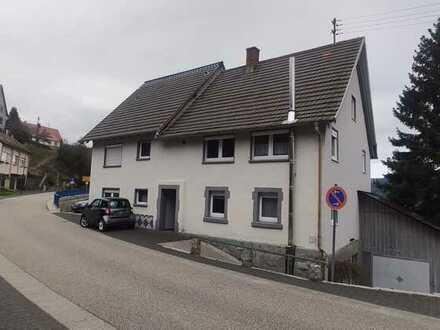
(168,199)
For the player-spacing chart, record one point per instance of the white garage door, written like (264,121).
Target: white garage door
(400,274)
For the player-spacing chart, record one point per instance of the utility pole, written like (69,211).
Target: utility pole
(335,31)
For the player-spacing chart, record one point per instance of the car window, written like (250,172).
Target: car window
(104,204)
(119,204)
(95,203)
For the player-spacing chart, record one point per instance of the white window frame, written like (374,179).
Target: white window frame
(137,202)
(260,211)
(220,157)
(113,146)
(211,204)
(364,161)
(139,150)
(353,106)
(334,135)
(270,155)
(112,192)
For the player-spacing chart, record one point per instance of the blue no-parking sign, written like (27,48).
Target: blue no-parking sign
(336,198)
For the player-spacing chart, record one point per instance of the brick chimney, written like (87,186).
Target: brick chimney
(252,58)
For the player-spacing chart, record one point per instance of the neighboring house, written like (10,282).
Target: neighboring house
(206,151)
(14,163)
(45,135)
(3,110)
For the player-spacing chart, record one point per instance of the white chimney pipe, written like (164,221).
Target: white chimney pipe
(291,114)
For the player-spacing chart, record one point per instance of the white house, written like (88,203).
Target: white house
(211,151)
(14,163)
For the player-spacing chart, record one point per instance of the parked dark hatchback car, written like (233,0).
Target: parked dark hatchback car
(79,206)
(106,212)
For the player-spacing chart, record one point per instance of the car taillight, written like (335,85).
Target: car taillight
(108,211)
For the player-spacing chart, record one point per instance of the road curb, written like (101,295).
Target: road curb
(61,309)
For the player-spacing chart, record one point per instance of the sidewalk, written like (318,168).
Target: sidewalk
(26,303)
(17,312)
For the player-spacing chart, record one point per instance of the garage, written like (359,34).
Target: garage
(398,249)
(400,274)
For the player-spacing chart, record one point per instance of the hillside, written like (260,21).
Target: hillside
(54,167)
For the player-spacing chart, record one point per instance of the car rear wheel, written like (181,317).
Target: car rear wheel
(101,225)
(83,221)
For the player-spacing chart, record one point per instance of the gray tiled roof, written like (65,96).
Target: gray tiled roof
(241,100)
(152,104)
(210,99)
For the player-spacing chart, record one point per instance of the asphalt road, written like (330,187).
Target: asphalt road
(134,287)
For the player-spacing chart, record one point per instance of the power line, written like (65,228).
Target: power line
(385,27)
(360,25)
(405,17)
(393,11)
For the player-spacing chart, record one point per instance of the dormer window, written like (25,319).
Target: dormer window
(270,146)
(219,149)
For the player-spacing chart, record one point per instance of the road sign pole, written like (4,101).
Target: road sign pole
(335,221)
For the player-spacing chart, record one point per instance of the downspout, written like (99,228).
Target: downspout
(292,174)
(292,166)
(319,134)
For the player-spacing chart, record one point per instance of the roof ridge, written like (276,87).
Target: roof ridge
(182,73)
(299,52)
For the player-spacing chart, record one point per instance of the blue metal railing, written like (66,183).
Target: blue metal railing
(65,193)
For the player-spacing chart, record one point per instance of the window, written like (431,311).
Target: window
(96,203)
(353,108)
(110,192)
(6,155)
(364,161)
(119,204)
(216,204)
(335,145)
(143,150)
(219,149)
(267,208)
(113,156)
(141,197)
(270,146)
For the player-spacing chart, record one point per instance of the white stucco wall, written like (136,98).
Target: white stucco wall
(306,188)
(347,172)
(173,162)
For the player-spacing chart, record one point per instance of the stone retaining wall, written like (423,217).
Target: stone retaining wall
(266,256)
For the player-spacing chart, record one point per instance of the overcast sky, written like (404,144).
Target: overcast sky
(71,62)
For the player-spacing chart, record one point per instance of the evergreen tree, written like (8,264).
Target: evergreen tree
(414,179)
(18,130)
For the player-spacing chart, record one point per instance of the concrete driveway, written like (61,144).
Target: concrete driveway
(134,287)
